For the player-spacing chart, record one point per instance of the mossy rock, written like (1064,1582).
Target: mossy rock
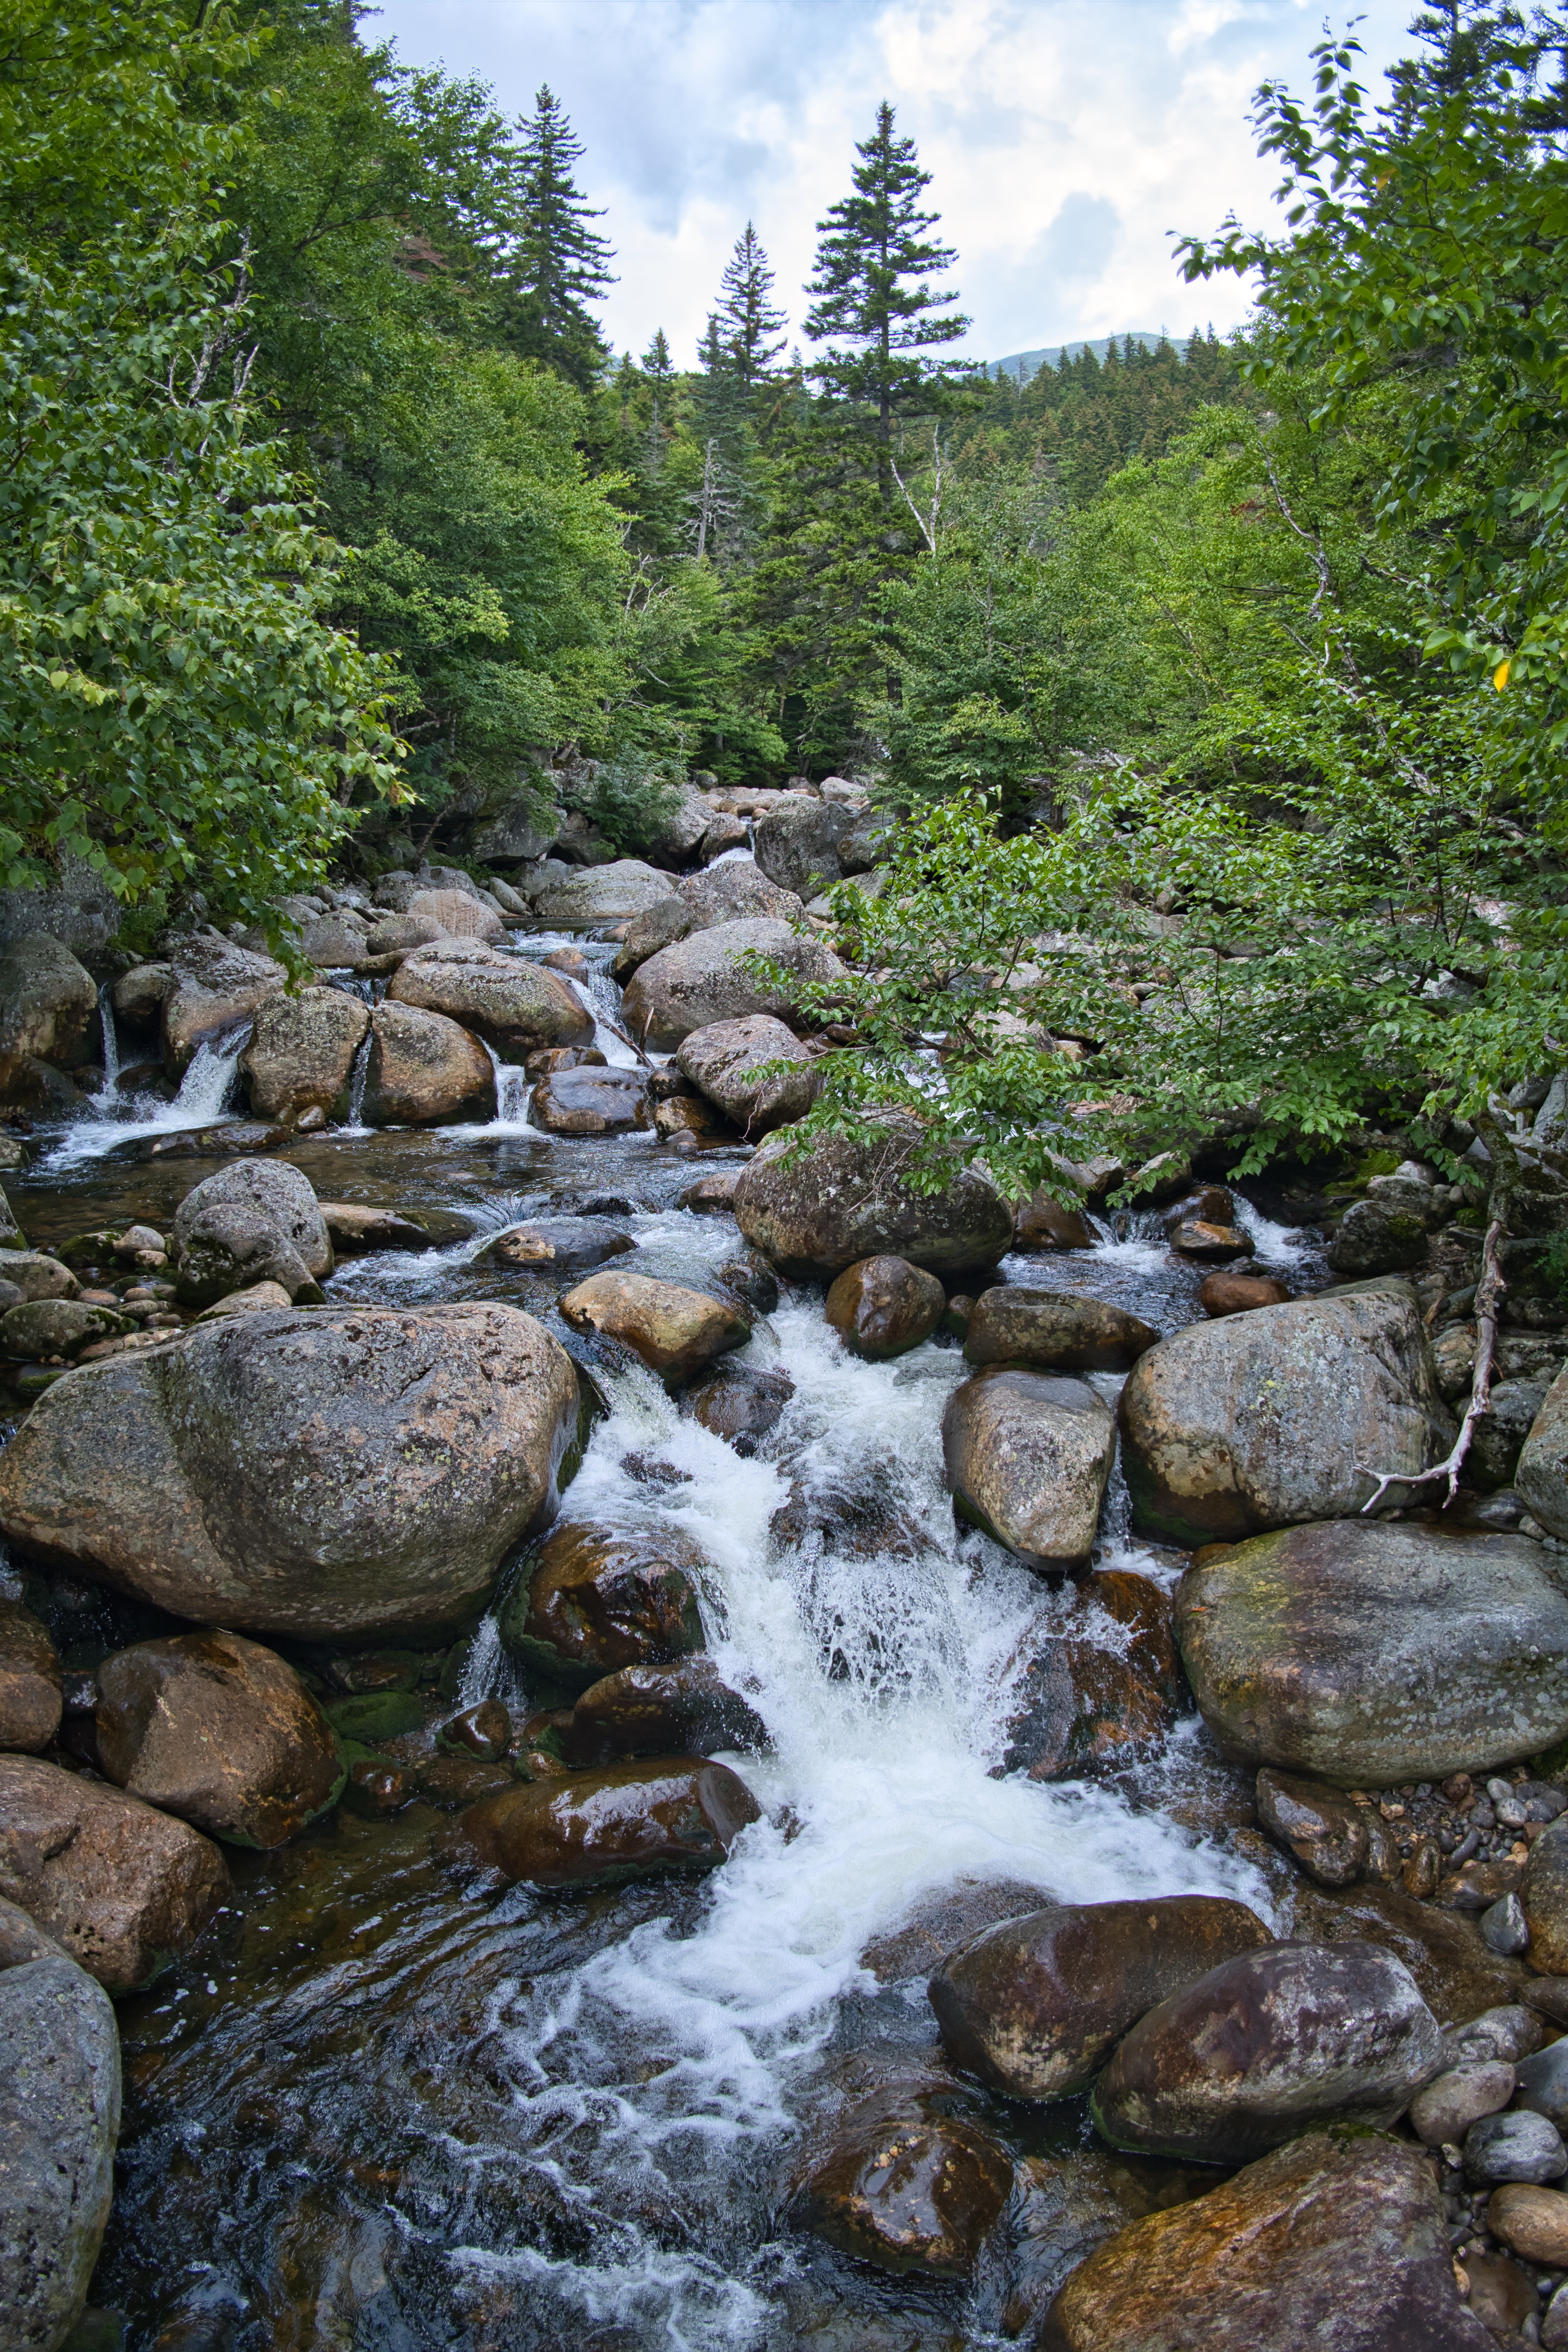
(87,1249)
(387,1714)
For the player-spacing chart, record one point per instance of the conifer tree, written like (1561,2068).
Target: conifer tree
(659,370)
(752,329)
(559,263)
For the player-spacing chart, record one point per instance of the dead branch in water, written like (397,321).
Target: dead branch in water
(1489,1299)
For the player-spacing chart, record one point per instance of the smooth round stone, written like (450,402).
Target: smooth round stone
(1543,2081)
(1443,2113)
(1531,2220)
(1520,2146)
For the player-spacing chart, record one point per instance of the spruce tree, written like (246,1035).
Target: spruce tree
(558,263)
(752,329)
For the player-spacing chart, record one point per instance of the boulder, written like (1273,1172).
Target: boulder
(884,1305)
(724,1062)
(424,1068)
(342,1471)
(1238,1293)
(353,1227)
(125,1889)
(682,1709)
(724,832)
(401,934)
(705,978)
(1078,1710)
(228,1248)
(214,985)
(1264,2046)
(1334,2241)
(1262,1420)
(1447,2107)
(552,1244)
(712,1195)
(514,1005)
(1378,1236)
(815,1211)
(679,831)
(659,926)
(1043,1222)
(220,1731)
(522,831)
(603,894)
(739,1402)
(1336,1841)
(673,1329)
(1544,1896)
(301,1053)
(624,1821)
(57,1326)
(797,845)
(1056,1329)
(906,2188)
(1542,2077)
(1498,1435)
(36,1275)
(596,1601)
(1036,2006)
(30,1680)
(59,2121)
(1540,1476)
(46,1005)
(591,1102)
(1371,1652)
(1027,1455)
(727,893)
(1195,1238)
(334,942)
(1146,1614)
(461,913)
(137,996)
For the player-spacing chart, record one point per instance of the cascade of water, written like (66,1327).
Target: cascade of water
(203,1100)
(109,1091)
(357,1076)
(602,998)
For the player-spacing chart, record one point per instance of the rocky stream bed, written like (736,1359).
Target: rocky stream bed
(580,1768)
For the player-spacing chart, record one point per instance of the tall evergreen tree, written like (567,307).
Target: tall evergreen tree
(559,263)
(752,327)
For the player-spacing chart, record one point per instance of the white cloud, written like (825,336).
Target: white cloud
(1067,138)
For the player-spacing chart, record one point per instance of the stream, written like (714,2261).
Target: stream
(373,2110)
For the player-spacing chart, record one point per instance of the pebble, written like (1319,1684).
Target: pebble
(1504,1928)
(1444,2112)
(1520,2146)
(1532,2221)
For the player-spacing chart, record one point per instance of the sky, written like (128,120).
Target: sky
(1067,138)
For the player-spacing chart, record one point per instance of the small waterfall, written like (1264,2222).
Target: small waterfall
(601,997)
(111,1118)
(109,1093)
(514,1089)
(357,1077)
(209,1078)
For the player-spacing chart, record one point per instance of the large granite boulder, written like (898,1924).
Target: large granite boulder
(1264,2046)
(884,1306)
(342,1471)
(1370,1653)
(46,1005)
(276,1190)
(706,977)
(1540,1476)
(724,1062)
(1262,1420)
(220,1731)
(1336,2239)
(520,832)
(125,1889)
(591,1102)
(301,1053)
(1036,2006)
(675,1330)
(1378,1236)
(514,1005)
(622,1821)
(30,1680)
(815,1211)
(727,893)
(59,2121)
(423,1069)
(603,894)
(1028,1455)
(556,1244)
(462,914)
(596,1601)
(213,986)
(1054,1329)
(797,845)
(906,2187)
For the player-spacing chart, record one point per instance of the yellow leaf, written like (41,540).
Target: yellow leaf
(1500,675)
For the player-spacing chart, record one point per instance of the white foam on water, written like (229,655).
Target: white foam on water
(1280,1248)
(114,1119)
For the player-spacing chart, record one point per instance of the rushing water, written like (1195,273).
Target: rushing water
(376,2109)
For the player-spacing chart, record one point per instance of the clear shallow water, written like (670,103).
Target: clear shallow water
(376,2109)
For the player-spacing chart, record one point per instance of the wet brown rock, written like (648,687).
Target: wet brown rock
(1081,1711)
(424,1068)
(484,1731)
(548,1059)
(1335,1841)
(629,1820)
(739,1402)
(597,1602)
(1149,1613)
(1263,1420)
(1027,1457)
(840,1201)
(214,985)
(690,1115)
(882,1306)
(514,1005)
(301,1053)
(1544,1892)
(553,1243)
(221,1732)
(452,1782)
(1446,2107)
(1238,1293)
(1266,2045)
(1372,1653)
(376,1790)
(1036,2005)
(30,1680)
(346,1470)
(351,1228)
(591,1102)
(712,1195)
(1054,1329)
(1041,1223)
(906,2189)
(1531,2220)
(673,1329)
(683,1709)
(125,1889)
(1456,1974)
(724,1059)
(1197,1238)
(1500,2295)
(1331,2241)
